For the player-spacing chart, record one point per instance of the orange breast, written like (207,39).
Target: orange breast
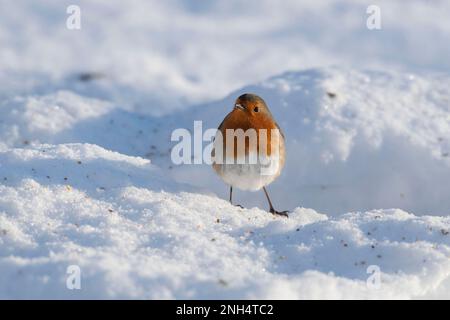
(238,119)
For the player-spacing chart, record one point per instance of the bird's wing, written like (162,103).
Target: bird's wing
(220,125)
(279,129)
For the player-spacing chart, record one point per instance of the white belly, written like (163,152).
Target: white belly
(250,177)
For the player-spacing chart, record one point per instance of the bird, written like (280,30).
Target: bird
(240,170)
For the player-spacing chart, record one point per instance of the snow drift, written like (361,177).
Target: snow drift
(136,234)
(355,140)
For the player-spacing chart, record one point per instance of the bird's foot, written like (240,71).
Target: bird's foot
(279,213)
(237,205)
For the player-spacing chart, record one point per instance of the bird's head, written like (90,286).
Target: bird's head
(252,105)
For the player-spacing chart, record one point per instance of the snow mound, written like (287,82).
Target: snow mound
(135,233)
(64,116)
(356,140)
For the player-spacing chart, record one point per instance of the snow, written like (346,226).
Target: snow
(381,141)
(86,177)
(134,234)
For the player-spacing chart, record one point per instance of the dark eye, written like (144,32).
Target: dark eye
(256,109)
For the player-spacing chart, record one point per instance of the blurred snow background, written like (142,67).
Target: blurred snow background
(366,115)
(164,55)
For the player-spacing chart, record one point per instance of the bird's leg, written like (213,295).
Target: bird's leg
(231,197)
(272,210)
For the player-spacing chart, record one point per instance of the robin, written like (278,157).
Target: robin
(249,150)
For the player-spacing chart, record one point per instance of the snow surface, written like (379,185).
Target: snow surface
(136,234)
(86,177)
